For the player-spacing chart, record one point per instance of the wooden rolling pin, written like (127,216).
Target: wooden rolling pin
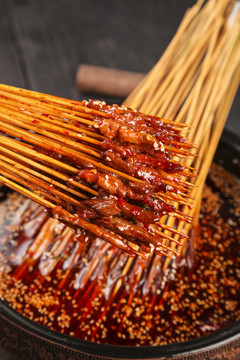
(106,81)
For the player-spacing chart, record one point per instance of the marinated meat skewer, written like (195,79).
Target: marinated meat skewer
(113,174)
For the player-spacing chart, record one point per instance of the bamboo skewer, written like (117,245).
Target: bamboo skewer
(46,169)
(45,125)
(30,111)
(63,150)
(36,174)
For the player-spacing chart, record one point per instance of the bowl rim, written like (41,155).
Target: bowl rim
(216,339)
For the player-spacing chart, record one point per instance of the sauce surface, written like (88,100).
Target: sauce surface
(93,291)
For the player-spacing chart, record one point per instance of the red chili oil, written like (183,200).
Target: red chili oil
(93,291)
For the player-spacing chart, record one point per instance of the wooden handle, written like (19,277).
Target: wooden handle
(105,81)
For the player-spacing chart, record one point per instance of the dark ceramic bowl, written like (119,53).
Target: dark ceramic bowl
(33,341)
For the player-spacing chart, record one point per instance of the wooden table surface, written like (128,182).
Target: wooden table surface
(43,42)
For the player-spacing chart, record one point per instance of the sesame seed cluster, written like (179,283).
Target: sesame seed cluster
(91,292)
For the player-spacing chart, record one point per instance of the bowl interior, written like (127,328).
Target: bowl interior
(226,154)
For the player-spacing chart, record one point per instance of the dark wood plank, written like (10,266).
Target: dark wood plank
(11,70)
(160,20)
(56,37)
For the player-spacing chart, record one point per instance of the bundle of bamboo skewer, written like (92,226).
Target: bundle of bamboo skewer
(78,141)
(195,82)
